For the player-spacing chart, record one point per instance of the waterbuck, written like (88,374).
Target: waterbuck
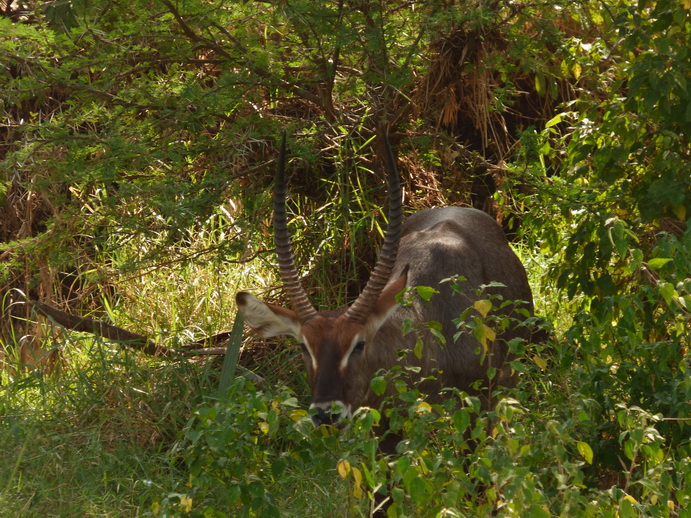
(344,348)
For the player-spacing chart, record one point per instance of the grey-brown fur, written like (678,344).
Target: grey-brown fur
(438,244)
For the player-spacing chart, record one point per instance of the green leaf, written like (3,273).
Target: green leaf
(540,84)
(367,421)
(635,261)
(536,511)
(417,350)
(619,238)
(667,291)
(554,121)
(658,262)
(626,507)
(483,307)
(586,451)
(425,292)
(418,491)
(278,467)
(629,449)
(233,494)
(461,420)
(378,385)
(230,359)
(435,328)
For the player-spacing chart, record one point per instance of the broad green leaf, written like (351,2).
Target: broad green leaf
(418,491)
(483,307)
(435,329)
(629,449)
(553,121)
(586,451)
(667,291)
(278,467)
(536,511)
(417,350)
(461,420)
(626,507)
(425,292)
(540,84)
(378,385)
(658,262)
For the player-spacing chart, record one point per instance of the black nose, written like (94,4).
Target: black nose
(322,416)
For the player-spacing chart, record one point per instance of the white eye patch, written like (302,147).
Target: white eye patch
(306,347)
(357,345)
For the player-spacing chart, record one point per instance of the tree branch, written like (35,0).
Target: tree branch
(97,327)
(137,341)
(242,50)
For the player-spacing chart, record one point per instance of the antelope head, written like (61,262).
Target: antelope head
(336,344)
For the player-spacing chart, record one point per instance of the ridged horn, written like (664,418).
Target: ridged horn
(360,310)
(286,262)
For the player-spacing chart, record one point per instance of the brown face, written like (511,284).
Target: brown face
(333,345)
(333,348)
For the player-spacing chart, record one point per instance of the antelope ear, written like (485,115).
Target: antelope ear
(386,303)
(267,319)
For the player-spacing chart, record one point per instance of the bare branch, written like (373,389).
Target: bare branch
(141,342)
(97,327)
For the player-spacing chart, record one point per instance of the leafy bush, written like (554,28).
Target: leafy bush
(255,453)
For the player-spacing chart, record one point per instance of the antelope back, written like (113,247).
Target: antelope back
(442,243)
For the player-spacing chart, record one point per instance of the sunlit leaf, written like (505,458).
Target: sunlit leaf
(667,291)
(357,478)
(343,468)
(425,292)
(553,121)
(539,362)
(577,70)
(586,451)
(658,262)
(483,307)
(186,503)
(423,408)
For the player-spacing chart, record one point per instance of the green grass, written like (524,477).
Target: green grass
(88,443)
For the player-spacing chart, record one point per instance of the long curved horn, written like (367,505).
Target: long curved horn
(286,262)
(361,308)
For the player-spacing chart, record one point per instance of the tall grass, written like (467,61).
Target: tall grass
(85,443)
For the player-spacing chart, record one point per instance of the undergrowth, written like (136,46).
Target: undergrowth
(118,434)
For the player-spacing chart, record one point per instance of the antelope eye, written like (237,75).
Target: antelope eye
(359,347)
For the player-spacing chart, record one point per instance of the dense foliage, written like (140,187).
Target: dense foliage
(138,143)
